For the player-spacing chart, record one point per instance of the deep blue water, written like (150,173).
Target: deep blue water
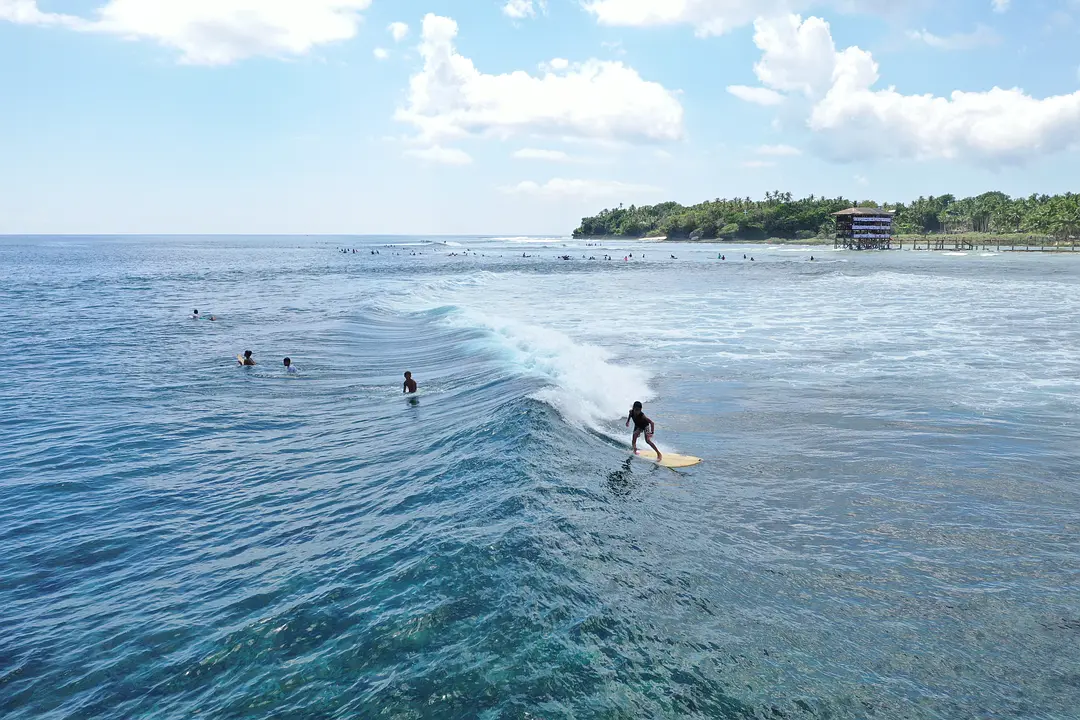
(885,525)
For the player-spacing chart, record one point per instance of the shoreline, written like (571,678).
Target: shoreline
(975,242)
(711,241)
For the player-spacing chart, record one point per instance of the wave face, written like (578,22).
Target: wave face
(884,525)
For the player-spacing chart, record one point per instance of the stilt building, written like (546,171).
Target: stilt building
(864,228)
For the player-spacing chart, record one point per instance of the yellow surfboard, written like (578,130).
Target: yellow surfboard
(671,460)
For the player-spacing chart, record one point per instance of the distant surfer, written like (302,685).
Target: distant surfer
(289,367)
(246,360)
(410,384)
(642,424)
(194,314)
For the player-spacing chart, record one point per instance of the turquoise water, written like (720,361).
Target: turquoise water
(885,525)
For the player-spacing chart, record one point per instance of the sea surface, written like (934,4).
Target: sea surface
(886,523)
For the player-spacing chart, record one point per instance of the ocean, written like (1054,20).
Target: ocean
(886,523)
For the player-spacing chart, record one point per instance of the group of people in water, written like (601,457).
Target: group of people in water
(642,424)
(248,360)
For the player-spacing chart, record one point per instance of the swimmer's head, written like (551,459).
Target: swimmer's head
(637,406)
(408,375)
(247,353)
(287,362)
(195,312)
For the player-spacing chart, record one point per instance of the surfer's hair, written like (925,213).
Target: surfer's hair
(637,405)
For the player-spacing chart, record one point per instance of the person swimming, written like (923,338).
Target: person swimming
(194,314)
(642,424)
(248,360)
(289,367)
(410,384)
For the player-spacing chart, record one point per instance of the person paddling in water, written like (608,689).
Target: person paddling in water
(247,359)
(410,384)
(642,424)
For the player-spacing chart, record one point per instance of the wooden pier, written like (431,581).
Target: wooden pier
(953,243)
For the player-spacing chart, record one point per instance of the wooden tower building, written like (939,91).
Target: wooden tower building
(864,228)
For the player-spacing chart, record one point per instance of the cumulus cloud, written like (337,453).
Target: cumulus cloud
(981,36)
(381,53)
(26,12)
(797,56)
(521,9)
(398,30)
(582,189)
(756,95)
(595,100)
(441,155)
(212,32)
(1000,6)
(853,120)
(716,17)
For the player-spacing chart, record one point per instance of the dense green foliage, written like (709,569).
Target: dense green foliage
(781,216)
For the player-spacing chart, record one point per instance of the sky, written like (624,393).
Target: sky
(516,117)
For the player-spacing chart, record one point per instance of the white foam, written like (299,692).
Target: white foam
(584,383)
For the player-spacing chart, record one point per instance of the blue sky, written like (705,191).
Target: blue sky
(489,116)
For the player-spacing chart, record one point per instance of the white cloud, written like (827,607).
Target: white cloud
(756,95)
(778,150)
(756,164)
(716,17)
(381,53)
(1000,6)
(981,36)
(438,154)
(212,32)
(26,12)
(521,9)
(537,154)
(583,189)
(398,30)
(594,100)
(861,180)
(797,55)
(854,121)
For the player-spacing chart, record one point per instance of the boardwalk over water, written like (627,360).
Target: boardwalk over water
(957,243)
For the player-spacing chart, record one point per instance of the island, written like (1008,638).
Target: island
(782,218)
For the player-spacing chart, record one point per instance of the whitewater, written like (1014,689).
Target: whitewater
(885,523)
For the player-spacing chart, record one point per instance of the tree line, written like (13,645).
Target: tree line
(779,215)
